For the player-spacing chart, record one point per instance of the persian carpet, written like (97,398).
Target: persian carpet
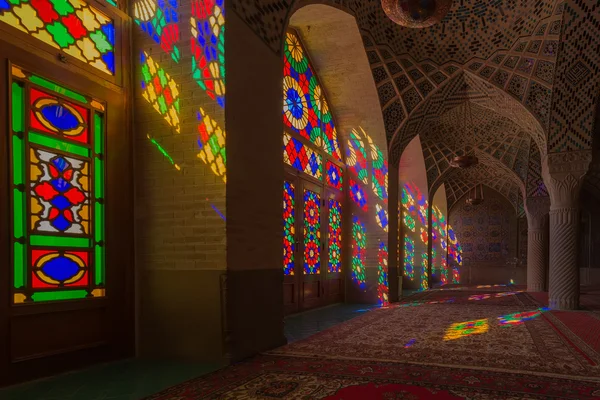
(509,337)
(274,377)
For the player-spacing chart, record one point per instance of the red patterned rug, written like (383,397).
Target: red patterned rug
(274,377)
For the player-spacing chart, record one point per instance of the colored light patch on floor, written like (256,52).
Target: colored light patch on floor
(468,328)
(520,317)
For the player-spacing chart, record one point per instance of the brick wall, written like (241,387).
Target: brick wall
(180,238)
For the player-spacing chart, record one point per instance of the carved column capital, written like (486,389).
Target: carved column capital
(537,209)
(563,175)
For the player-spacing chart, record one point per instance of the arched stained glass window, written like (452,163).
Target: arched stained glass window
(305,107)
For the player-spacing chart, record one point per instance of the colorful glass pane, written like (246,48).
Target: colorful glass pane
(301,157)
(160,91)
(49,114)
(359,252)
(334,175)
(56,269)
(358,195)
(159,19)
(382,275)
(312,233)
(335,236)
(212,144)
(72,26)
(356,155)
(381,215)
(289,230)
(208,47)
(57,193)
(305,107)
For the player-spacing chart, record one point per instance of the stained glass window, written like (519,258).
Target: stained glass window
(424,271)
(356,155)
(208,47)
(72,26)
(57,145)
(312,233)
(382,275)
(289,229)
(305,107)
(335,236)
(359,252)
(301,157)
(212,144)
(160,91)
(334,175)
(159,19)
(358,195)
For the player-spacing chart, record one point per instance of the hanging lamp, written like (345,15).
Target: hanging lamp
(416,13)
(473,199)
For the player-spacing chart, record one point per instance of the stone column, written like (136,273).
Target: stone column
(563,174)
(537,236)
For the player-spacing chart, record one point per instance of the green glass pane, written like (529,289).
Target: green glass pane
(18,198)
(18,116)
(58,144)
(102,44)
(19,265)
(64,295)
(56,88)
(60,34)
(17,161)
(98,222)
(112,3)
(63,7)
(98,181)
(98,134)
(99,265)
(40,240)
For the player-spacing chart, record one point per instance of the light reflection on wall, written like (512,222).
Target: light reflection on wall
(359,246)
(439,252)
(454,254)
(211,140)
(415,217)
(159,20)
(382,275)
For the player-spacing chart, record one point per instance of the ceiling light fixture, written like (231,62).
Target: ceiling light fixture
(416,13)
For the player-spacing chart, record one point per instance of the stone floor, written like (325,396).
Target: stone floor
(135,379)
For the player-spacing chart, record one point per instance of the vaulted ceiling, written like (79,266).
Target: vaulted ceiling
(501,56)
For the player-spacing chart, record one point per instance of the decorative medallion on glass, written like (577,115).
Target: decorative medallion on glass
(359,252)
(212,144)
(335,236)
(160,90)
(312,233)
(208,47)
(334,175)
(57,181)
(301,157)
(305,107)
(72,26)
(159,19)
(289,229)
(382,275)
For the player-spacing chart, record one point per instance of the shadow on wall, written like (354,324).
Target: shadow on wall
(488,235)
